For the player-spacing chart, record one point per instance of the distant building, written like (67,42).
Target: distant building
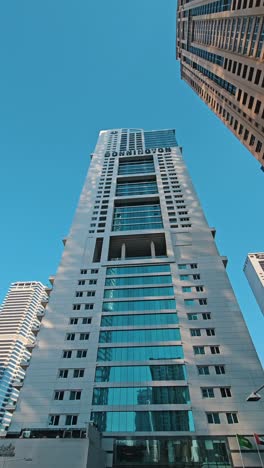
(220,47)
(254,271)
(20,316)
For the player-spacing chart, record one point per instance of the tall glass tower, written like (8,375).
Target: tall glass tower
(142,334)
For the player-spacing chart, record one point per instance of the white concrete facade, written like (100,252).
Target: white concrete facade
(19,324)
(205,330)
(254,271)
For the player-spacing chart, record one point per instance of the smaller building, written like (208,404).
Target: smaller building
(54,449)
(20,318)
(254,271)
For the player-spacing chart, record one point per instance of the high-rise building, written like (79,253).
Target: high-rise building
(220,47)
(254,271)
(142,333)
(20,316)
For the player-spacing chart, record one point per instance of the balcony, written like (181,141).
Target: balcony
(40,313)
(18,384)
(31,344)
(24,364)
(11,405)
(137,247)
(35,328)
(51,279)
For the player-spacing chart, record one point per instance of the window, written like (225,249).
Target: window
(202,301)
(94,271)
(207,392)
(86,320)
(213,418)
(78,373)
(70,336)
(199,288)
(67,354)
(232,418)
(73,321)
(71,419)
(182,267)
(206,316)
(76,306)
(186,289)
(79,294)
(81,353)
(220,370)
(63,373)
(199,350)
(194,265)
(192,316)
(139,353)
(195,332)
(203,370)
(196,277)
(58,395)
(210,331)
(54,419)
(83,272)
(84,336)
(81,282)
(184,277)
(92,281)
(189,302)
(134,395)
(89,306)
(215,349)
(225,392)
(90,293)
(75,394)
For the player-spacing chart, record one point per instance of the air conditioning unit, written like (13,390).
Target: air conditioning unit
(26,434)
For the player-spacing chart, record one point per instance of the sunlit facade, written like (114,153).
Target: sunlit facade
(254,271)
(220,45)
(142,333)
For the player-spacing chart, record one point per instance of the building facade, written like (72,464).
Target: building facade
(220,48)
(254,271)
(142,333)
(20,316)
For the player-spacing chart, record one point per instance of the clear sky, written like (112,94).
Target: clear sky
(70,68)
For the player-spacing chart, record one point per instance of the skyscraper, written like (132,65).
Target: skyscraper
(254,271)
(20,316)
(220,47)
(142,333)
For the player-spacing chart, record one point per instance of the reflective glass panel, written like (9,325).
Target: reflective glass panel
(130,270)
(139,353)
(134,280)
(144,319)
(141,396)
(138,292)
(127,306)
(140,373)
(179,452)
(141,421)
(140,336)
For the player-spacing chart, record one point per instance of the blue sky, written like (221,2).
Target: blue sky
(69,69)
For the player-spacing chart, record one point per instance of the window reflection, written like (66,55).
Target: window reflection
(143,336)
(142,421)
(140,373)
(134,280)
(138,269)
(138,292)
(141,395)
(139,353)
(144,319)
(178,452)
(126,306)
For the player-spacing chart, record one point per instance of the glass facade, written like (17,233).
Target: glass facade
(180,452)
(138,280)
(134,320)
(127,218)
(138,292)
(139,353)
(127,306)
(136,188)
(143,421)
(144,166)
(140,336)
(138,269)
(160,139)
(140,373)
(141,396)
